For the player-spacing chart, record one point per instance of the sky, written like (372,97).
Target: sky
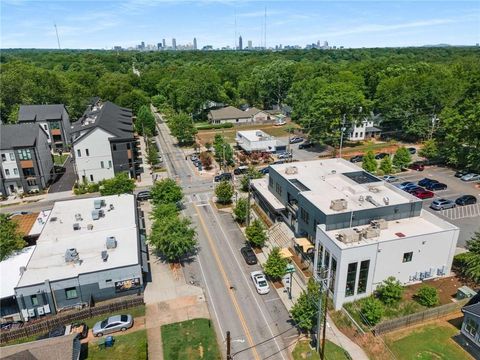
(100,24)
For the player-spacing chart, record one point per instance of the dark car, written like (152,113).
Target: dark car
(414,189)
(240,170)
(381,155)
(264,171)
(461,173)
(306,145)
(249,255)
(144,195)
(417,166)
(434,186)
(466,200)
(279,162)
(223,177)
(426,181)
(423,194)
(356,158)
(412,150)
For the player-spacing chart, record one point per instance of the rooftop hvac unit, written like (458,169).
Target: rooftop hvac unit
(111,207)
(90,226)
(291,170)
(97,214)
(373,189)
(71,255)
(348,236)
(111,242)
(31,312)
(78,217)
(40,311)
(76,226)
(370,199)
(338,204)
(104,255)
(386,200)
(370,232)
(98,203)
(381,224)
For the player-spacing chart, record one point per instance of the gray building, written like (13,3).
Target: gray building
(26,159)
(174,44)
(194,43)
(89,250)
(53,119)
(471,321)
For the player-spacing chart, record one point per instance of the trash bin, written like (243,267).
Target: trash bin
(109,341)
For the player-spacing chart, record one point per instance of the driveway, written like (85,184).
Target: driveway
(64,181)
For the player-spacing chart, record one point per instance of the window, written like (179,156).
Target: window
(31,182)
(278,188)
(84,178)
(24,154)
(327,259)
(101,164)
(91,177)
(114,147)
(15,171)
(109,164)
(471,327)
(304,215)
(55,125)
(34,300)
(4,158)
(28,172)
(45,126)
(128,146)
(71,293)
(270,182)
(407,257)
(7,172)
(12,156)
(361,134)
(363,277)
(351,276)
(333,273)
(79,153)
(87,152)
(108,281)
(356,134)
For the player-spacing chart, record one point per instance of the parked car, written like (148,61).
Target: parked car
(278,162)
(356,158)
(223,177)
(240,170)
(470,177)
(264,171)
(249,255)
(260,282)
(306,145)
(410,186)
(381,155)
(423,194)
(284,155)
(194,157)
(404,184)
(466,200)
(461,173)
(144,195)
(414,189)
(417,166)
(441,204)
(412,150)
(296,140)
(435,186)
(390,178)
(112,324)
(426,181)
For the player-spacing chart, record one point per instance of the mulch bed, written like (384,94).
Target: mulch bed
(278,284)
(447,288)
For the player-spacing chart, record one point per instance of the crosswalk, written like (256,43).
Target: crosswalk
(461,212)
(201,199)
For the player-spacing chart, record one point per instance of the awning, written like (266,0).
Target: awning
(304,243)
(286,253)
(261,186)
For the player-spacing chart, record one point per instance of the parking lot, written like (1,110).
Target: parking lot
(467,218)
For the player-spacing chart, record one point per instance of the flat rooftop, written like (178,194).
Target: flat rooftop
(322,181)
(58,235)
(255,135)
(10,270)
(424,224)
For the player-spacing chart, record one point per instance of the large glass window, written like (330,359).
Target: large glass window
(28,172)
(351,276)
(270,181)
(407,257)
(363,277)
(333,274)
(471,327)
(24,154)
(71,293)
(327,259)
(278,188)
(304,215)
(12,156)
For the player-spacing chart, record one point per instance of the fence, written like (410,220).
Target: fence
(48,323)
(417,318)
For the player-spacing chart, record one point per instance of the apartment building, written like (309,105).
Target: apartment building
(26,159)
(104,143)
(53,119)
(361,229)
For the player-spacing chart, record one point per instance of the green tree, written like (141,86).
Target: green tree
(134,100)
(390,291)
(427,296)
(369,163)
(402,158)
(120,184)
(252,173)
(206,159)
(429,149)
(152,153)
(305,310)
(166,191)
(386,165)
(145,123)
(182,127)
(241,210)
(273,81)
(162,211)
(256,233)
(471,261)
(372,310)
(276,265)
(223,150)
(224,192)
(10,238)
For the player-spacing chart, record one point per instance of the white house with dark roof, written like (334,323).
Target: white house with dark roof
(364,130)
(230,114)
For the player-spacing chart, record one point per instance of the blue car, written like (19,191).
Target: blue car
(426,182)
(403,185)
(265,170)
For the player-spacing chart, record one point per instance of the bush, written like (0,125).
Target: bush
(120,184)
(402,158)
(213,126)
(390,291)
(427,296)
(372,310)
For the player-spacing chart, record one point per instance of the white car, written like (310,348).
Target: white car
(390,178)
(260,282)
(280,123)
(470,177)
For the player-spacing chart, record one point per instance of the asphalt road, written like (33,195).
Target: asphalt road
(259,324)
(65,181)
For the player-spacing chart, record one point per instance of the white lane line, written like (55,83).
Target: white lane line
(272,299)
(200,205)
(247,283)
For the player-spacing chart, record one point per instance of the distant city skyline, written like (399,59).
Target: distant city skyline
(219,24)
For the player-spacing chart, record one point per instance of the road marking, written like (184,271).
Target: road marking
(272,299)
(247,282)
(201,205)
(226,282)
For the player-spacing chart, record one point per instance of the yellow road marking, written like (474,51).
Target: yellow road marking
(225,280)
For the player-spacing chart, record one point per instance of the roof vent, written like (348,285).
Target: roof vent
(78,217)
(372,201)
(361,198)
(104,255)
(111,242)
(291,170)
(381,224)
(71,255)
(373,189)
(386,200)
(333,172)
(22,270)
(90,226)
(52,219)
(338,204)
(76,226)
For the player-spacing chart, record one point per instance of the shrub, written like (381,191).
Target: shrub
(427,296)
(390,291)
(372,310)
(213,126)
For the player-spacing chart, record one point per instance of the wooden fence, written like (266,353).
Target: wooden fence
(48,323)
(417,318)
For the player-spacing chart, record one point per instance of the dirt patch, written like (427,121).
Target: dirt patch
(257,250)
(278,284)
(447,288)
(222,206)
(200,351)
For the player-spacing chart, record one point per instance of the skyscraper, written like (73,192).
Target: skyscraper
(240,44)
(174,44)
(194,43)
(164,43)
(250,45)
(159,46)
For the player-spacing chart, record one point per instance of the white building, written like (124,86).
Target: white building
(230,114)
(257,140)
(364,130)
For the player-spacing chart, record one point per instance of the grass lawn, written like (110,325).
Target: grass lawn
(332,352)
(59,159)
(430,342)
(126,347)
(134,311)
(190,340)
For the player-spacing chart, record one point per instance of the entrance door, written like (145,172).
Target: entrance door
(12,189)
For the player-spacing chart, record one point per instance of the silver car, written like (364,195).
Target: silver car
(112,324)
(470,177)
(441,204)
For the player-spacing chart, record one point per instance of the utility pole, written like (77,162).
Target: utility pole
(322,354)
(341,136)
(229,356)
(248,202)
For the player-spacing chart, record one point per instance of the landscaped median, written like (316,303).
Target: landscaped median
(190,340)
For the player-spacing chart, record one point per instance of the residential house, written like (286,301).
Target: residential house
(104,143)
(233,115)
(257,140)
(471,321)
(364,130)
(53,119)
(26,159)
